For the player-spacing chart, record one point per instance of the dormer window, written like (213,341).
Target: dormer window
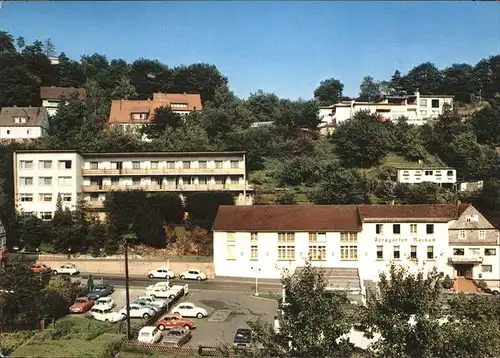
(179,105)
(21,119)
(139,116)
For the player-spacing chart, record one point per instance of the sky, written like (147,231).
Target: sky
(277,46)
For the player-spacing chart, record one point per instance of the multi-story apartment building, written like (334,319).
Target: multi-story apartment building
(132,114)
(41,176)
(265,240)
(418,108)
(443,176)
(52,96)
(19,123)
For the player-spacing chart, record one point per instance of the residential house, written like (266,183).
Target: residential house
(264,241)
(19,123)
(52,96)
(446,177)
(41,176)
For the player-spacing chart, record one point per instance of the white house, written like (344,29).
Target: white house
(262,241)
(52,96)
(439,175)
(18,123)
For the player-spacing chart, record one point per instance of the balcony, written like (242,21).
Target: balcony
(470,259)
(163,171)
(94,204)
(184,187)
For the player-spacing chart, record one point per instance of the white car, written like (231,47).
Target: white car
(149,334)
(137,311)
(193,274)
(105,303)
(105,314)
(151,300)
(162,272)
(166,291)
(68,269)
(188,309)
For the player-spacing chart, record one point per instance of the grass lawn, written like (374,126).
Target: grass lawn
(9,341)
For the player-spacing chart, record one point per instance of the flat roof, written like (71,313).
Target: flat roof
(131,154)
(425,168)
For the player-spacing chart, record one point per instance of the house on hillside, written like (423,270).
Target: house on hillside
(52,96)
(20,123)
(354,242)
(443,176)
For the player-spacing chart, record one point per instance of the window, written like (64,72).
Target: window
(170,165)
(25,197)
(490,252)
(235,164)
(46,197)
(317,236)
(218,164)
(45,164)
(154,165)
(180,105)
(65,164)
(219,180)
(64,181)
(413,252)
(136,165)
(186,165)
(136,181)
(348,252)
(396,229)
(396,253)
(45,181)
(428,172)
(66,197)
(231,236)
(380,252)
(26,164)
(317,253)
(286,237)
(139,116)
(379,229)
(348,237)
(458,252)
(254,252)
(22,119)
(28,131)
(435,103)
(430,252)
(46,215)
(8,131)
(254,236)
(487,268)
(117,165)
(231,250)
(449,173)
(202,164)
(462,234)
(286,252)
(429,229)
(423,102)
(413,228)
(94,165)
(114,181)
(25,181)
(482,234)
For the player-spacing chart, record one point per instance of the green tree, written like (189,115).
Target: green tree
(301,170)
(70,73)
(340,186)
(329,91)
(396,84)
(202,207)
(286,197)
(423,193)
(49,48)
(486,123)
(487,71)
(18,85)
(426,78)
(201,78)
(295,116)
(150,76)
(264,106)
(369,90)
(164,118)
(6,43)
(313,322)
(459,80)
(408,140)
(123,89)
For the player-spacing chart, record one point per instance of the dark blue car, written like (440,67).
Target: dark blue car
(100,291)
(243,338)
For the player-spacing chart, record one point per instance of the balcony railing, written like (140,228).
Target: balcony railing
(94,204)
(470,259)
(184,187)
(163,171)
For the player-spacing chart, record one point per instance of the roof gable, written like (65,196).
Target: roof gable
(35,116)
(471,218)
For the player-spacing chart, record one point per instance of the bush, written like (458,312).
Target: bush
(447,282)
(481,284)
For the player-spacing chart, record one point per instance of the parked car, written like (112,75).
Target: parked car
(40,268)
(143,303)
(105,303)
(68,269)
(81,305)
(137,311)
(149,334)
(153,301)
(175,321)
(243,338)
(101,290)
(166,291)
(177,337)
(188,309)
(162,272)
(105,314)
(193,274)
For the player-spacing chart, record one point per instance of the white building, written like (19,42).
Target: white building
(264,240)
(40,176)
(439,175)
(18,123)
(52,96)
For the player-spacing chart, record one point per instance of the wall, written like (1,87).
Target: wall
(19,132)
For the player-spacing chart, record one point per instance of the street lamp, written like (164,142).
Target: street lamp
(126,240)
(256,270)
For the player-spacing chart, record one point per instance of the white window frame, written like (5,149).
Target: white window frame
(317,252)
(45,197)
(413,229)
(26,164)
(26,197)
(349,252)
(286,252)
(25,181)
(254,252)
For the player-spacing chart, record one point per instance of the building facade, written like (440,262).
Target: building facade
(52,96)
(264,241)
(19,123)
(41,176)
(439,175)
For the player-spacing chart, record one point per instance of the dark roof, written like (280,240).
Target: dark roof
(287,218)
(35,116)
(60,92)
(131,154)
(327,217)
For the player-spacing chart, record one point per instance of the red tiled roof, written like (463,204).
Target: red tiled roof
(287,218)
(59,92)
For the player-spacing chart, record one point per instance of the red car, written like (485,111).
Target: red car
(175,321)
(40,268)
(81,305)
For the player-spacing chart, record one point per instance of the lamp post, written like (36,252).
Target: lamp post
(126,240)
(256,270)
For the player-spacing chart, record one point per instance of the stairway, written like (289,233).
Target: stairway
(464,285)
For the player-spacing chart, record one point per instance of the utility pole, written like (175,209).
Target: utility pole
(127,291)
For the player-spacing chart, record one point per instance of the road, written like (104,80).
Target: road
(242,285)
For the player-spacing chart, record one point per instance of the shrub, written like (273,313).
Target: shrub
(481,284)
(447,282)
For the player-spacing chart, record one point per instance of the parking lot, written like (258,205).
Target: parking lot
(227,311)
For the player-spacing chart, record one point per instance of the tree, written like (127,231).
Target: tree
(486,123)
(459,80)
(286,198)
(61,286)
(301,170)
(340,186)
(6,43)
(426,78)
(313,322)
(329,91)
(202,207)
(150,76)
(396,84)
(201,78)
(370,90)
(423,193)
(264,106)
(164,118)
(295,116)
(123,89)
(49,48)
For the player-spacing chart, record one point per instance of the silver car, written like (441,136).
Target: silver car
(176,337)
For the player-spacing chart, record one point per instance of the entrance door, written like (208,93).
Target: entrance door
(464,270)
